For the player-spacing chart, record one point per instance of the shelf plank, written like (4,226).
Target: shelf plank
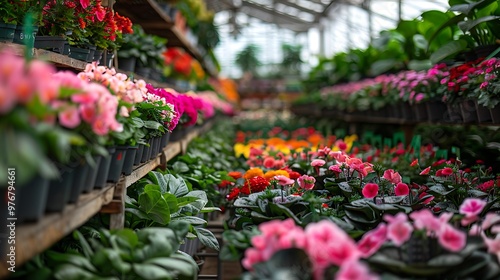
(141,171)
(34,238)
(171,150)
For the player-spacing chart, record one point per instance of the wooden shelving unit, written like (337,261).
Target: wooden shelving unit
(153,19)
(34,238)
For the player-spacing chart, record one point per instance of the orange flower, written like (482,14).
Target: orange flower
(235,174)
(270,174)
(252,172)
(315,139)
(282,172)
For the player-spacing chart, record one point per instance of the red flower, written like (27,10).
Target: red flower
(414,163)
(183,64)
(370,190)
(233,194)
(294,175)
(401,189)
(447,171)
(235,174)
(225,183)
(257,184)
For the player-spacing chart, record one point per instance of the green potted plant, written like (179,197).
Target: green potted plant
(58,21)
(8,22)
(23,8)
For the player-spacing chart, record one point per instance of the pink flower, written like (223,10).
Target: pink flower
(354,270)
(306,182)
(372,240)
(425,171)
(252,256)
(268,162)
(401,189)
(392,176)
(293,238)
(283,180)
(493,245)
(398,229)
(472,207)
(370,190)
(447,171)
(318,163)
(489,220)
(424,219)
(451,238)
(84,3)
(7,100)
(69,117)
(335,169)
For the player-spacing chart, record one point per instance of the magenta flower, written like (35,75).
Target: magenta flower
(335,169)
(401,189)
(399,230)
(355,270)
(306,182)
(493,245)
(370,190)
(472,207)
(451,238)
(372,240)
(392,176)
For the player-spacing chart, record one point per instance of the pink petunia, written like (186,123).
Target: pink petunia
(268,162)
(370,190)
(306,182)
(451,238)
(392,176)
(472,207)
(401,189)
(424,219)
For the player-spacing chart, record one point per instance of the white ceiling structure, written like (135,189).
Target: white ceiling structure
(322,27)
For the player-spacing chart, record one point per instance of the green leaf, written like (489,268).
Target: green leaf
(184,256)
(172,202)
(281,209)
(185,200)
(210,209)
(152,125)
(180,167)
(171,264)
(383,65)
(73,259)
(193,220)
(440,190)
(153,203)
(466,26)
(151,271)
(419,65)
(72,272)
(448,50)
(207,238)
(176,186)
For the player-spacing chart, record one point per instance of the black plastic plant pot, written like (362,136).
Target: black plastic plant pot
(127,63)
(436,110)
(483,113)
(102,173)
(89,183)
(59,191)
(116,165)
(138,155)
(146,154)
(129,159)
(155,148)
(164,140)
(20,36)
(178,133)
(79,53)
(7,32)
(31,199)
(495,114)
(52,43)
(90,56)
(97,55)
(81,172)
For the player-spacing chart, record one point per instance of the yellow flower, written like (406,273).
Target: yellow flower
(241,150)
(252,172)
(270,174)
(282,172)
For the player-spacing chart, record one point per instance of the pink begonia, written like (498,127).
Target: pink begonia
(425,171)
(338,156)
(399,230)
(69,117)
(252,256)
(472,207)
(372,240)
(318,163)
(370,190)
(355,270)
(425,219)
(283,180)
(401,189)
(293,238)
(493,245)
(306,182)
(392,176)
(329,244)
(335,168)
(451,238)
(489,220)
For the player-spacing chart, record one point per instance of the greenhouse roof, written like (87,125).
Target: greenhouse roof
(296,15)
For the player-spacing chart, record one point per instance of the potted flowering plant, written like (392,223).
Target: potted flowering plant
(58,21)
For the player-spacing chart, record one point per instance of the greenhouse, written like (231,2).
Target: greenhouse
(250,139)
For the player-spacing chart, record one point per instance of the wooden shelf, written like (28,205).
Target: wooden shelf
(153,19)
(34,238)
(59,60)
